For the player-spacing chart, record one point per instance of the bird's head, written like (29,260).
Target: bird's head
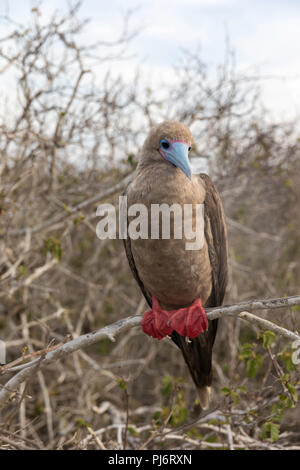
(172,142)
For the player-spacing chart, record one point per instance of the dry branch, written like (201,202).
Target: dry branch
(264,304)
(125,324)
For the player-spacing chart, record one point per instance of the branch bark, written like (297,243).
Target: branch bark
(111,331)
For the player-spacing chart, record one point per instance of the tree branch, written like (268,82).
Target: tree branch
(264,304)
(268,325)
(111,331)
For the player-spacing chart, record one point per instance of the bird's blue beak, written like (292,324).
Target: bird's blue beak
(178,154)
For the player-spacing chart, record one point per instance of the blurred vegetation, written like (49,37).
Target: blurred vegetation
(69,132)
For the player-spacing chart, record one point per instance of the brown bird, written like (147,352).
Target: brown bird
(178,282)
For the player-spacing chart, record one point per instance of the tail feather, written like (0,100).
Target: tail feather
(197,353)
(204,396)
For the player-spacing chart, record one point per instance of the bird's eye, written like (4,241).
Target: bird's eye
(189,149)
(165,144)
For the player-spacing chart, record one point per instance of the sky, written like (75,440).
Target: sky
(264,34)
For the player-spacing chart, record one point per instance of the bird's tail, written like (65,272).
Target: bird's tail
(197,353)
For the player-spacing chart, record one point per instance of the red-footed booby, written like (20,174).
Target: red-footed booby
(178,282)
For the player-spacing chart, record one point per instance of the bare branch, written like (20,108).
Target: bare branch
(264,304)
(269,325)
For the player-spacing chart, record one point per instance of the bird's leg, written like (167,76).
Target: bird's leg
(189,321)
(155,322)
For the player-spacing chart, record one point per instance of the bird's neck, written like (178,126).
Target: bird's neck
(149,167)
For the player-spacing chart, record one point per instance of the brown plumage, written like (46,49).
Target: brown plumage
(163,268)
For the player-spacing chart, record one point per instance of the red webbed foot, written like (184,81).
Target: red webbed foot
(190,321)
(187,321)
(155,322)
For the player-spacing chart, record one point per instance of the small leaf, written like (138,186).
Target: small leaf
(157,417)
(166,385)
(253,365)
(293,392)
(270,430)
(268,338)
(23,270)
(122,384)
(82,423)
(132,431)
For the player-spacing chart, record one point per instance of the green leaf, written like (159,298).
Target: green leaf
(67,209)
(274,432)
(132,431)
(246,352)
(292,391)
(235,397)
(52,245)
(166,385)
(78,220)
(253,365)
(131,160)
(82,423)
(286,359)
(270,430)
(288,183)
(268,338)
(23,270)
(157,417)
(122,384)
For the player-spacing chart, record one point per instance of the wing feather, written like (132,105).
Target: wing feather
(127,246)
(197,352)
(216,237)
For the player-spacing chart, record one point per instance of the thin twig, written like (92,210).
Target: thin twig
(268,325)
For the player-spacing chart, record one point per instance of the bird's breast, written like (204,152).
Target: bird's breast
(172,269)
